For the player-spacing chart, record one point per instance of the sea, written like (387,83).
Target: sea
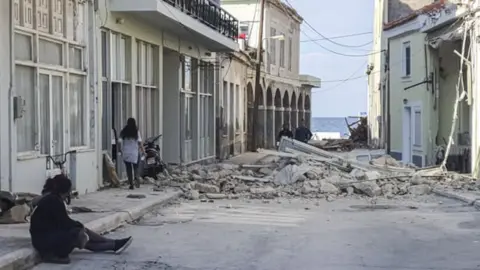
(332,124)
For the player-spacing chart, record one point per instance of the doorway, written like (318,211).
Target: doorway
(407,135)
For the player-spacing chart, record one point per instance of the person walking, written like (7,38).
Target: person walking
(302,133)
(285,132)
(55,235)
(131,146)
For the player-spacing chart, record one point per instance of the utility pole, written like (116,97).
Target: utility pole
(258,88)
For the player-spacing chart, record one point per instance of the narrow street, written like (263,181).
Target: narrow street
(347,234)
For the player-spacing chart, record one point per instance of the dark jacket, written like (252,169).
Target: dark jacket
(51,229)
(303,134)
(284,133)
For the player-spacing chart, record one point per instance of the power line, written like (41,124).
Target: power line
(320,45)
(320,34)
(339,37)
(350,78)
(338,53)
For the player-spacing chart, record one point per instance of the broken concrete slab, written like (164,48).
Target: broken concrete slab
(419,190)
(328,188)
(370,189)
(206,188)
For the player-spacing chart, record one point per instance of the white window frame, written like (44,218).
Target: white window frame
(406,59)
(67,38)
(290,53)
(146,89)
(282,52)
(273,47)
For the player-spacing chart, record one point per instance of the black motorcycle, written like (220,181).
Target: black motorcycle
(153,161)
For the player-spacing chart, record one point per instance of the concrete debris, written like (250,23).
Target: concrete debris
(301,170)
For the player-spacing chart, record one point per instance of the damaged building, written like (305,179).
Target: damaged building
(425,83)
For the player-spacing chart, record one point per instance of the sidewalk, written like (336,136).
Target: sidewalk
(471,198)
(111,209)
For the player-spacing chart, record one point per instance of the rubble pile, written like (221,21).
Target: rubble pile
(359,133)
(334,144)
(286,175)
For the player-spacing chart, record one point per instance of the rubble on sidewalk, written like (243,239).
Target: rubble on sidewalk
(301,170)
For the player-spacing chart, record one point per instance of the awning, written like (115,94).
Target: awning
(450,32)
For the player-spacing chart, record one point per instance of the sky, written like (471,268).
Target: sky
(331,19)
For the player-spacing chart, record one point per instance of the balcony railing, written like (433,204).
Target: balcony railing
(209,14)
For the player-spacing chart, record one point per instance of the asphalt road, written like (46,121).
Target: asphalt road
(347,234)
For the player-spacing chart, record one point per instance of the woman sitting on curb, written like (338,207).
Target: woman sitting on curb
(55,235)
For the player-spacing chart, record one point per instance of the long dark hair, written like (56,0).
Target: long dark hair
(130,131)
(59,184)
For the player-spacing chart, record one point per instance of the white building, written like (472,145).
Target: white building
(72,70)
(285,97)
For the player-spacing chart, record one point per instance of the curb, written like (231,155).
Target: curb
(469,199)
(26,258)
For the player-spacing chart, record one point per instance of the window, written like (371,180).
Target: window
(282,52)
(273,47)
(231,106)
(119,56)
(187,75)
(77,111)
(290,51)
(148,99)
(205,109)
(406,59)
(50,75)
(244,30)
(188,116)
(27,125)
(237,108)
(418,127)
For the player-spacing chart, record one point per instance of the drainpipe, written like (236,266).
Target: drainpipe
(10,98)
(388,100)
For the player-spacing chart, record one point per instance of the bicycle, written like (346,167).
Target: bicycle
(59,161)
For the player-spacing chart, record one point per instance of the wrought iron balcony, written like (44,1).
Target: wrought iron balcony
(210,15)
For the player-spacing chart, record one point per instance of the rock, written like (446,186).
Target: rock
(311,175)
(358,174)
(226,166)
(193,195)
(241,188)
(308,190)
(262,190)
(266,171)
(387,189)
(417,179)
(328,188)
(350,191)
(330,198)
(136,196)
(403,189)
(370,189)
(386,160)
(419,190)
(312,183)
(206,188)
(372,175)
(216,196)
(16,214)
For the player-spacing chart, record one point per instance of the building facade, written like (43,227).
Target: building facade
(284,97)
(428,85)
(74,71)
